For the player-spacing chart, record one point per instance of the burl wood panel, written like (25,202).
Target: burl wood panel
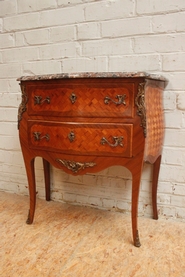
(87,122)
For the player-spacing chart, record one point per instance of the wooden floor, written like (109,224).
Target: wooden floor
(66,241)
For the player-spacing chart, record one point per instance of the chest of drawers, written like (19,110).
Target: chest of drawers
(87,122)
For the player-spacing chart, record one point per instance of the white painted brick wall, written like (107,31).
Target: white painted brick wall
(53,36)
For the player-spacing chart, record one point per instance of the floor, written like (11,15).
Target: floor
(66,241)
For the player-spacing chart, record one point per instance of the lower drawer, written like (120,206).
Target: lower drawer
(81,138)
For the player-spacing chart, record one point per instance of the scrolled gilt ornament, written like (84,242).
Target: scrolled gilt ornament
(75,166)
(22,106)
(140,103)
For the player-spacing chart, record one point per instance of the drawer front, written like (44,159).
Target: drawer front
(86,98)
(82,139)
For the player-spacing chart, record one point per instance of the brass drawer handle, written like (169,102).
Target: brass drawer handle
(38,100)
(71,136)
(121,100)
(37,136)
(73,98)
(117,141)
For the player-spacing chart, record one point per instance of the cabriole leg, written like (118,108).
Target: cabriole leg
(46,166)
(156,168)
(32,189)
(136,179)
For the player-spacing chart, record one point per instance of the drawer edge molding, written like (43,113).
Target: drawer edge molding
(75,166)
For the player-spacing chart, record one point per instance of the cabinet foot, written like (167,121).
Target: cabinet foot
(137,241)
(28,218)
(29,221)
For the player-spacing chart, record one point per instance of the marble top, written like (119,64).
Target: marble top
(93,75)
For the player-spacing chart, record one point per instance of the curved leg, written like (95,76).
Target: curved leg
(32,189)
(46,166)
(136,179)
(156,168)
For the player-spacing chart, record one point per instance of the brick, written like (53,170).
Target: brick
(106,47)
(61,34)
(85,64)
(23,190)
(82,199)
(159,43)
(169,23)
(9,86)
(169,98)
(120,171)
(173,120)
(178,201)
(58,51)
(20,54)
(124,206)
(36,37)
(128,27)
(168,211)
(65,3)
(13,86)
(176,80)
(57,195)
(9,187)
(147,210)
(109,10)
(9,143)
(172,173)
(12,157)
(8,128)
(35,5)
(171,61)
(75,180)
(22,22)
(19,39)
(6,40)
(8,114)
(9,100)
(8,8)
(174,138)
(179,189)
(63,16)
(181,101)
(135,63)
(109,203)
(165,188)
(90,179)
(147,171)
(177,158)
(164,199)
(69,197)
(14,177)
(3,85)
(146,186)
(153,6)
(41,67)
(89,30)
(10,70)
(13,169)
(180,212)
(95,201)
(1,24)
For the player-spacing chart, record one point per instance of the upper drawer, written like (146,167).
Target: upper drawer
(85,138)
(82,98)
